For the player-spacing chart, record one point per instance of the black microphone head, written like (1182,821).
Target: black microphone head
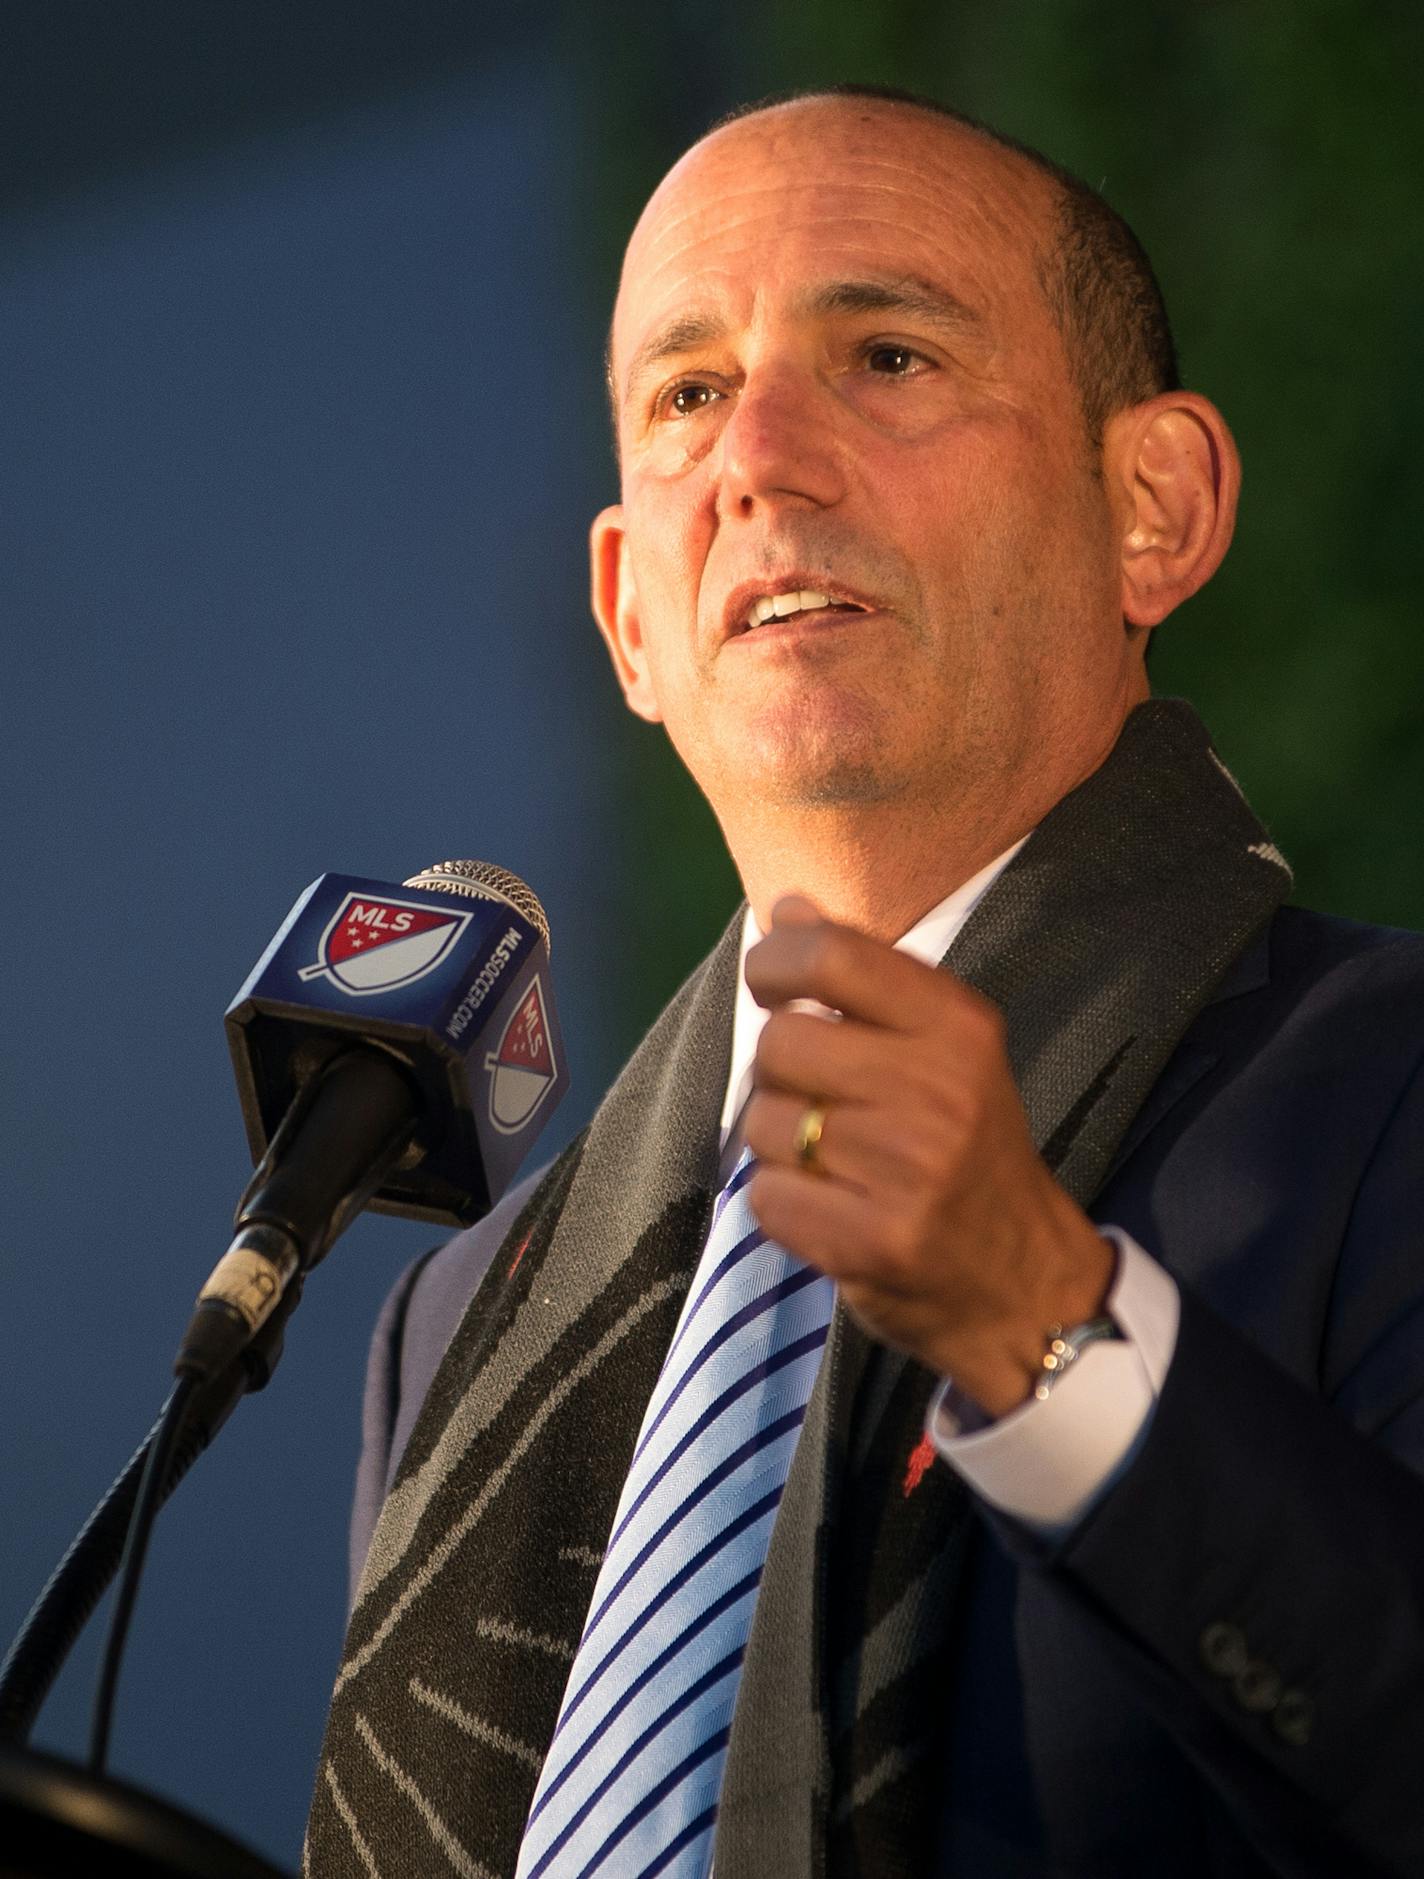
(483,880)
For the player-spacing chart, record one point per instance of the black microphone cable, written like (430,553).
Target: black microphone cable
(161,1447)
(91,1562)
(334,1149)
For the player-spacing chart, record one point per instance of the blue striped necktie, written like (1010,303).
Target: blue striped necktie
(630,1783)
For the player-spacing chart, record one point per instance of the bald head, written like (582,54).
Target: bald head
(1092,272)
(794,178)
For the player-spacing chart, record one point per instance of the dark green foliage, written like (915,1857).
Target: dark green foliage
(1271,160)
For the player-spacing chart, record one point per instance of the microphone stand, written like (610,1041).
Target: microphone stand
(55,1817)
(345,1129)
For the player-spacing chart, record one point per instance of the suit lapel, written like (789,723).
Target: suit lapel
(1199,1052)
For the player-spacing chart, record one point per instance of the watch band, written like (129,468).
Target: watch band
(1066,1347)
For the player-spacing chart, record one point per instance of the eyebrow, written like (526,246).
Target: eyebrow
(683,334)
(907,294)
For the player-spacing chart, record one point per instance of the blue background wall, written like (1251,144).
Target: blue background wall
(298,447)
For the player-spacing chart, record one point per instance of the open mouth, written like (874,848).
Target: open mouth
(806,603)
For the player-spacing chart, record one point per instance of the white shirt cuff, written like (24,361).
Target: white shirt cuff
(1046,1462)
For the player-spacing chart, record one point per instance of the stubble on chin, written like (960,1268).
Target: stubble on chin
(840,784)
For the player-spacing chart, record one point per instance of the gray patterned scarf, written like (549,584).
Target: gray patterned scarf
(1100,942)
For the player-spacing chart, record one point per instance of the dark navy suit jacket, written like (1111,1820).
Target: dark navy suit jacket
(1221,1669)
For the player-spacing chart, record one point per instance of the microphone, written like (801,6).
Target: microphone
(395,1048)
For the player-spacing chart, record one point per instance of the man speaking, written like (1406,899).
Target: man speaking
(957,1408)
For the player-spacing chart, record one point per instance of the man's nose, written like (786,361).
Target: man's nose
(780,446)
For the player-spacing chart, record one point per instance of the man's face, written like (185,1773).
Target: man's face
(836,377)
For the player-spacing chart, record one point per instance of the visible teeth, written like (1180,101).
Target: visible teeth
(780,606)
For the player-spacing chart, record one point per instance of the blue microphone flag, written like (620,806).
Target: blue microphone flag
(457,990)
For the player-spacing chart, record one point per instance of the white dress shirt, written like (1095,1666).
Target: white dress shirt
(1048,1460)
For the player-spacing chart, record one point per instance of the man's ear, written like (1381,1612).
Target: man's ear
(1175,467)
(615,607)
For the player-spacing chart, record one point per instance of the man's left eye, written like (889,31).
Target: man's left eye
(893,361)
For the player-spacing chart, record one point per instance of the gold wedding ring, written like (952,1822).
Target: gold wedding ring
(808,1138)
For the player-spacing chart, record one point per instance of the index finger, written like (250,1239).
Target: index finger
(849,971)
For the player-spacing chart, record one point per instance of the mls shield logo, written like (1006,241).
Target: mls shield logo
(522,1069)
(374,945)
